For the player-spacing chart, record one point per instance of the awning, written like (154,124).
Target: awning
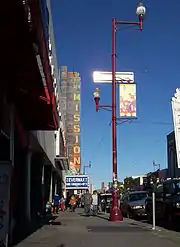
(62,162)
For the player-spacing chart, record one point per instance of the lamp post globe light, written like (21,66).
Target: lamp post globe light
(140,11)
(115,213)
(96,96)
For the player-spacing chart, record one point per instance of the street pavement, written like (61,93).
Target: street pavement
(75,230)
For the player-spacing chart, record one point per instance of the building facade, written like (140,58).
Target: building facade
(70,104)
(139,179)
(31,127)
(61,161)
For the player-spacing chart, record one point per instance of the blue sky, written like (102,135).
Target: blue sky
(83,43)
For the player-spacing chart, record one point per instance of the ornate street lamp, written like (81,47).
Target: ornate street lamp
(115,214)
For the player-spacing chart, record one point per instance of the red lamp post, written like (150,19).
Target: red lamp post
(115,214)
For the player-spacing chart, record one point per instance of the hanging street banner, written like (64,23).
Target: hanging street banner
(106,77)
(176,119)
(79,182)
(127,95)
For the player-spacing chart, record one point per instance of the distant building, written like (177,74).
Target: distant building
(91,188)
(139,179)
(102,186)
(163,173)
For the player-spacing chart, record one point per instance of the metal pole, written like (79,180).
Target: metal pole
(84,170)
(115,214)
(154,211)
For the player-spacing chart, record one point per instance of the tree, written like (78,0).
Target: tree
(129,183)
(120,186)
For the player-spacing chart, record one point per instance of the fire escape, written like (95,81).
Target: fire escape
(25,49)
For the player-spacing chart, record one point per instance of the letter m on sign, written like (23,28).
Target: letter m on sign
(77,96)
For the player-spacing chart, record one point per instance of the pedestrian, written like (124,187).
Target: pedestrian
(78,201)
(62,204)
(87,203)
(73,203)
(56,202)
(95,202)
(67,202)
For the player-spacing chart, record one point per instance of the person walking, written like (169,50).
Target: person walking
(62,204)
(56,202)
(78,201)
(95,202)
(73,203)
(87,203)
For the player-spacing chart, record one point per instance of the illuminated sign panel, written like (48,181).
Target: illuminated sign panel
(77,182)
(106,77)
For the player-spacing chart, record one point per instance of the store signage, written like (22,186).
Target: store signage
(53,73)
(73,122)
(77,182)
(106,77)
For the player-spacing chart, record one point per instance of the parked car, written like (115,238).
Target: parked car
(167,202)
(133,204)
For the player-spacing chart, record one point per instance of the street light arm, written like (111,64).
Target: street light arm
(123,118)
(128,23)
(104,107)
(134,23)
(98,106)
(86,166)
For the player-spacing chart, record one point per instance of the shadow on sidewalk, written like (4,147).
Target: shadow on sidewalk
(83,215)
(162,224)
(101,216)
(23,230)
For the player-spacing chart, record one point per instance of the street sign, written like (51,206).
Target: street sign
(106,77)
(77,182)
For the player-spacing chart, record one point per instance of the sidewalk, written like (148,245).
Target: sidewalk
(75,230)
